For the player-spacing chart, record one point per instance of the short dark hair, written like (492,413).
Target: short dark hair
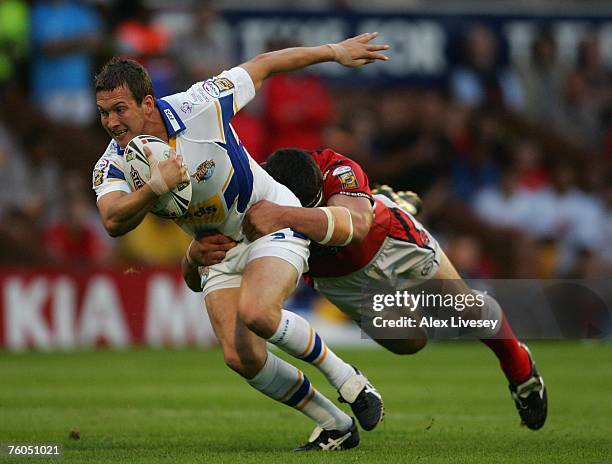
(118,71)
(296,169)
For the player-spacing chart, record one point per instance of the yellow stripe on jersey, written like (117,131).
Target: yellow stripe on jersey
(227,181)
(235,103)
(220,120)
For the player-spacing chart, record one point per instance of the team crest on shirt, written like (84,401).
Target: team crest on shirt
(216,86)
(136,179)
(204,171)
(348,179)
(341,170)
(223,84)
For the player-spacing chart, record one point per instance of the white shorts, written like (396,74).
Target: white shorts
(285,244)
(397,265)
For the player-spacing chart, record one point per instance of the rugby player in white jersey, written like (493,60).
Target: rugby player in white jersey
(371,243)
(245,290)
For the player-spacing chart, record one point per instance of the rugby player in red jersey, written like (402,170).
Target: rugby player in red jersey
(370,242)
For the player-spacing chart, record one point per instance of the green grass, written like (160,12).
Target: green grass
(448,403)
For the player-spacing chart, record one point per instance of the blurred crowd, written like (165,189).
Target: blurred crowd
(513,161)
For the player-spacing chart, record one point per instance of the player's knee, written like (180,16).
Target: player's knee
(258,317)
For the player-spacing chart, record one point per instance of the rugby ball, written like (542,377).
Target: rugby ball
(171,205)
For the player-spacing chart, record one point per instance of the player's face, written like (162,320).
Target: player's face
(120,115)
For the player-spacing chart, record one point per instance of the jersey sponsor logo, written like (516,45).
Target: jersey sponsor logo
(205,212)
(173,122)
(136,179)
(341,170)
(217,85)
(348,180)
(211,89)
(204,171)
(186,107)
(355,194)
(129,156)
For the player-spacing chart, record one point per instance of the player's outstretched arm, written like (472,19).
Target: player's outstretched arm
(344,221)
(354,52)
(122,212)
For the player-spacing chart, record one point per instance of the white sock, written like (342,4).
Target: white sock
(285,383)
(295,335)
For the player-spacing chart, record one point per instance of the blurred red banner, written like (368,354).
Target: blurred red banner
(59,308)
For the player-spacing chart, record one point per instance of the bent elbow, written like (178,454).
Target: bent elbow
(361,229)
(113,229)
(359,234)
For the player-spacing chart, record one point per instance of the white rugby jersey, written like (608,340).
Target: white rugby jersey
(224,178)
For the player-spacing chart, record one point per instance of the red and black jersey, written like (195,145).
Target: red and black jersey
(343,176)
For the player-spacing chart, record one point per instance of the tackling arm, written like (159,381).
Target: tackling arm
(353,52)
(348,214)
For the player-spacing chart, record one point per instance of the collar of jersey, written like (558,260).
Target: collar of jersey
(172,132)
(173,128)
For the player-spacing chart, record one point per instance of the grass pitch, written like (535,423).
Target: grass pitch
(448,403)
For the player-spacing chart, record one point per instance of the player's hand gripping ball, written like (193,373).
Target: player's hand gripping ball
(175,201)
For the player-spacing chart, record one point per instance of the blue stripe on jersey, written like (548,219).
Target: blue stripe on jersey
(231,192)
(300,394)
(115,173)
(237,154)
(164,106)
(316,351)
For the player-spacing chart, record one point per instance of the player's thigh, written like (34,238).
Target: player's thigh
(239,344)
(448,282)
(269,280)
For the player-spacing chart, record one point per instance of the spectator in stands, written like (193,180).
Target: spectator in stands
(507,205)
(478,167)
(531,172)
(296,107)
(65,36)
(15,175)
(605,244)
(205,48)
(480,79)
(542,77)
(578,117)
(569,214)
(138,36)
(74,235)
(14,30)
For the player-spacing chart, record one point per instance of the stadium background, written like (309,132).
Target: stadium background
(499,114)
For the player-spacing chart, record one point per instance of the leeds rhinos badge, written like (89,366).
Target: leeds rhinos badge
(204,171)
